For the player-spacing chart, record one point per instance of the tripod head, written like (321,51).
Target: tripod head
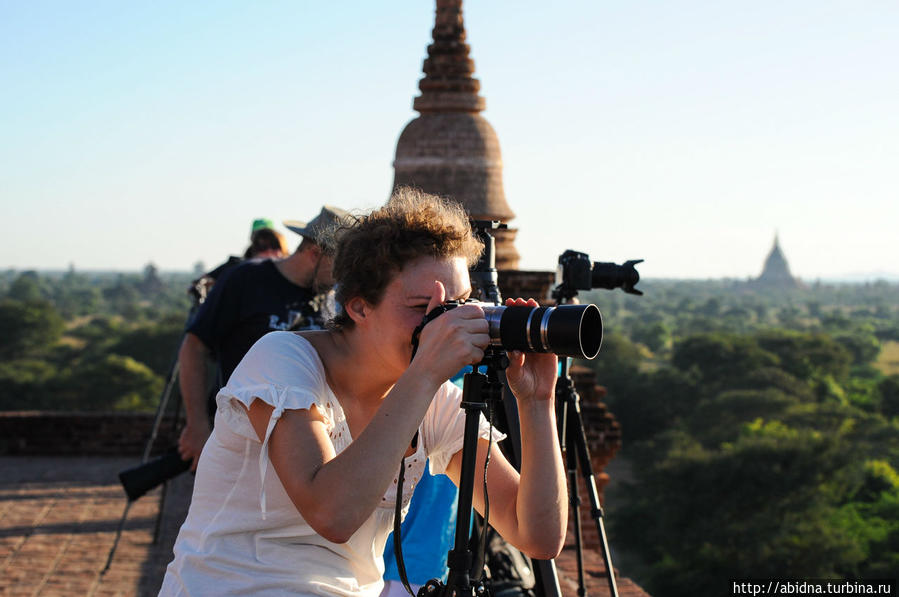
(484,278)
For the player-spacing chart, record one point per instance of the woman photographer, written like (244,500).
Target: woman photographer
(296,487)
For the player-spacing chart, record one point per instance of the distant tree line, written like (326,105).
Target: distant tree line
(76,341)
(761,428)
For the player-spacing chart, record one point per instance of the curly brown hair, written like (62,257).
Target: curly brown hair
(376,247)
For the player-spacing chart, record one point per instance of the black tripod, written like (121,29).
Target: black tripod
(576,454)
(150,473)
(573,439)
(480,392)
(485,283)
(578,273)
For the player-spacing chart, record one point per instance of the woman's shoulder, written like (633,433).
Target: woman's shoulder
(293,343)
(278,357)
(282,369)
(319,340)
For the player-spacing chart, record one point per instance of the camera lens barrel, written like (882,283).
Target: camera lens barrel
(566,330)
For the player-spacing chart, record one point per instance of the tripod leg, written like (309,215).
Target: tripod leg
(576,428)
(459,559)
(575,501)
(157,423)
(170,382)
(157,527)
(118,535)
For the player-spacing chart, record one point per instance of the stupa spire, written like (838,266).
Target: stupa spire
(448,84)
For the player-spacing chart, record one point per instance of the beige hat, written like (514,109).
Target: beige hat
(327,220)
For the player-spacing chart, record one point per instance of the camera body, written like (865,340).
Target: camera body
(575,271)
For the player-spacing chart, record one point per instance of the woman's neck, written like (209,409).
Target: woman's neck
(352,371)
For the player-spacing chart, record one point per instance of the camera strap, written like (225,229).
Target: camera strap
(397,513)
(397,538)
(434,313)
(397,522)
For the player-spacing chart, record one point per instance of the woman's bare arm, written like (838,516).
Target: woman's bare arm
(336,494)
(529,510)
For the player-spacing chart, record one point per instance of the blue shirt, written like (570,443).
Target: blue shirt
(428,531)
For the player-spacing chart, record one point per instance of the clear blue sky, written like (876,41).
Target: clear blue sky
(684,133)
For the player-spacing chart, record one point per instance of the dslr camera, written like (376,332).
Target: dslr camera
(576,272)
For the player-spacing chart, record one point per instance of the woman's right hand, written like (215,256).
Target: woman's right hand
(452,340)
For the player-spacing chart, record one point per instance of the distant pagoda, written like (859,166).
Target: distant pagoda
(776,271)
(450,149)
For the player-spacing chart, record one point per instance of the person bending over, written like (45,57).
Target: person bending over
(246,303)
(296,487)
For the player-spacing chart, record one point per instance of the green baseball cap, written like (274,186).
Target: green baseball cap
(262,223)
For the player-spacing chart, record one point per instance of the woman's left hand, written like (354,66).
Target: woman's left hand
(531,376)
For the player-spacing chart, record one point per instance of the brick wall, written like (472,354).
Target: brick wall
(603,441)
(526,284)
(36,433)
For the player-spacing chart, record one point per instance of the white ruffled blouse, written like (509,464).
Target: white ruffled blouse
(243,535)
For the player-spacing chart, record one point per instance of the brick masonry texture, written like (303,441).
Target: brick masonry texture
(102,434)
(59,515)
(58,519)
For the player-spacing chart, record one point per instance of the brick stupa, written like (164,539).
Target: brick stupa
(450,149)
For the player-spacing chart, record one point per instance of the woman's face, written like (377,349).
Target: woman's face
(390,323)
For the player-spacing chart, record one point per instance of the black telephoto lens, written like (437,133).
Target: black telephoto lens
(612,275)
(566,330)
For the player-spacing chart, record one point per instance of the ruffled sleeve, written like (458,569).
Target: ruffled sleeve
(443,428)
(283,370)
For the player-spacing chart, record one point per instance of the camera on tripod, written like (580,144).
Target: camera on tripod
(566,330)
(576,272)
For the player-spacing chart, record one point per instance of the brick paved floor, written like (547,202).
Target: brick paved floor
(58,518)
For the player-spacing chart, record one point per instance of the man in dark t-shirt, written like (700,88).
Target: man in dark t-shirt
(249,301)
